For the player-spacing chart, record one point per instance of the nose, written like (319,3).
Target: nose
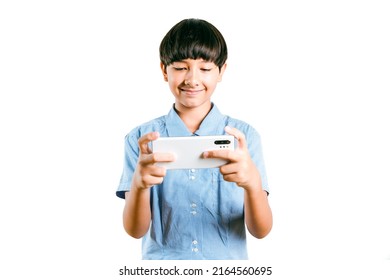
(192,78)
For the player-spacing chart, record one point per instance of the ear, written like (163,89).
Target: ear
(164,71)
(221,71)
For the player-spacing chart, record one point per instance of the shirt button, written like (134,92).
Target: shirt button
(193,170)
(193,213)
(195,242)
(195,250)
(192,177)
(193,205)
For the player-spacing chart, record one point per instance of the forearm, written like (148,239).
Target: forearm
(137,213)
(258,214)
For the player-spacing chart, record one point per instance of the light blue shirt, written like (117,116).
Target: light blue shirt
(196,214)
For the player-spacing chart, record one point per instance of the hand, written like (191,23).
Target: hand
(240,167)
(147,173)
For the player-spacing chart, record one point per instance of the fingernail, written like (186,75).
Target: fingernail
(205,154)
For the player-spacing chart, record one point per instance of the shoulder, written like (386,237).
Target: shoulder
(157,124)
(243,126)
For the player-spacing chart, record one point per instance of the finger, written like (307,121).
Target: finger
(241,141)
(157,157)
(154,180)
(229,168)
(162,157)
(143,142)
(222,154)
(231,177)
(158,171)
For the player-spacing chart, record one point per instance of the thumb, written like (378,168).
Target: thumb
(144,141)
(241,141)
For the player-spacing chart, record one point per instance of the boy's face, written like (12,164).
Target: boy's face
(192,82)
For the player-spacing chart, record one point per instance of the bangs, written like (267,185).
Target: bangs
(193,39)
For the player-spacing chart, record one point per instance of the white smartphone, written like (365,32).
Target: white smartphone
(188,151)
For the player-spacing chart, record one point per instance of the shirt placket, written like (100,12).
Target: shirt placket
(194,213)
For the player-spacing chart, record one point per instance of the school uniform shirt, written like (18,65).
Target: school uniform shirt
(196,214)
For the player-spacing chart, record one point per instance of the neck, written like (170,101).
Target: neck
(193,117)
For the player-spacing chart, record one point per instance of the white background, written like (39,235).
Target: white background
(311,76)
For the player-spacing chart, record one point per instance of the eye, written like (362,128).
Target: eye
(180,68)
(206,69)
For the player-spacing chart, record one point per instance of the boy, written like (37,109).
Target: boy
(196,213)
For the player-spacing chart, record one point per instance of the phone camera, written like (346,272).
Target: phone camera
(221,142)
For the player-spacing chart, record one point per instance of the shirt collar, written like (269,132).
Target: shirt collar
(211,125)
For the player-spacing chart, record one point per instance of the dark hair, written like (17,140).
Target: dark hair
(194,39)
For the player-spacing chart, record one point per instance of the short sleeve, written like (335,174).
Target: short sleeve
(129,164)
(256,151)
(255,148)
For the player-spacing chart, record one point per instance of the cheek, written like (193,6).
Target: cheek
(175,80)
(173,86)
(211,83)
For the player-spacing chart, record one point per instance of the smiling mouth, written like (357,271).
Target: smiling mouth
(191,91)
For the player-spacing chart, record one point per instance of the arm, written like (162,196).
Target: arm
(242,171)
(258,214)
(137,214)
(137,210)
